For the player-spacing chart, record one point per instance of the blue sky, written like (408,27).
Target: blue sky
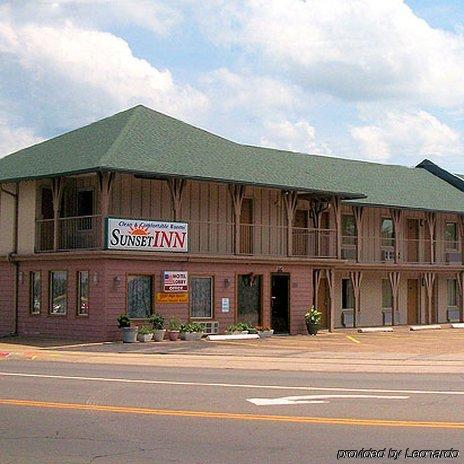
(380,80)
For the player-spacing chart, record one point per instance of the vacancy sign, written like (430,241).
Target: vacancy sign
(141,235)
(175,281)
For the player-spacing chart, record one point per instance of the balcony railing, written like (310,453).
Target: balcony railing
(410,251)
(82,232)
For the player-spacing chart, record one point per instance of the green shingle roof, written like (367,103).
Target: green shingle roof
(141,140)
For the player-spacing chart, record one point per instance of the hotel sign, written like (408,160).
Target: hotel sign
(175,281)
(142,235)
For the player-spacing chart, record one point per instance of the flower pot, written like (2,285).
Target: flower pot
(312,329)
(144,338)
(265,333)
(173,335)
(159,335)
(129,334)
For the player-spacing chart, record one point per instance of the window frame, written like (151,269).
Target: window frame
(199,276)
(387,241)
(50,293)
(451,245)
(32,311)
(79,294)
(152,296)
(348,240)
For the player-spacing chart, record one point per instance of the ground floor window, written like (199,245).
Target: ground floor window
(249,298)
(58,292)
(35,292)
(139,296)
(347,294)
(83,293)
(452,293)
(387,295)
(201,297)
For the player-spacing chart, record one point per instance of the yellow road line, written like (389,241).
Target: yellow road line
(354,340)
(234,416)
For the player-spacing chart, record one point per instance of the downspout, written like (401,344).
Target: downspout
(12,256)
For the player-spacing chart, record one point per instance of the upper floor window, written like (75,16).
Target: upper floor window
(451,235)
(387,232)
(348,229)
(85,202)
(46,203)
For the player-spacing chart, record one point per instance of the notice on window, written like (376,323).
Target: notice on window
(225,305)
(141,235)
(175,281)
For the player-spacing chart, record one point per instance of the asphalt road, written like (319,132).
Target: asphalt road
(83,413)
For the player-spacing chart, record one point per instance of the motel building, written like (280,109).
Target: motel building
(140,213)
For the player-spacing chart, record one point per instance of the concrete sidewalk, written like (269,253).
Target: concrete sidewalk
(348,351)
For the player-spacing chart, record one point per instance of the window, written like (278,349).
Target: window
(35,292)
(201,297)
(451,235)
(387,232)
(46,203)
(347,294)
(83,293)
(139,296)
(348,229)
(452,293)
(387,295)
(58,292)
(85,208)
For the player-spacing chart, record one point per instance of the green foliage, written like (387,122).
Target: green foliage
(192,327)
(157,320)
(313,316)
(241,327)
(145,330)
(123,321)
(174,324)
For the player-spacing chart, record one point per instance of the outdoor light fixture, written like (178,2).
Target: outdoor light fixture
(226,282)
(116,281)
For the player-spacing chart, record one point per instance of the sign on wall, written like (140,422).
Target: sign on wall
(140,235)
(175,281)
(170,298)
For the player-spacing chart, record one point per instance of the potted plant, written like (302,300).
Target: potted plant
(312,320)
(265,332)
(129,333)
(157,320)
(145,334)
(174,327)
(240,328)
(191,331)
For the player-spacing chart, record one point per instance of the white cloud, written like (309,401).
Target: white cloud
(357,50)
(407,134)
(74,75)
(15,138)
(294,136)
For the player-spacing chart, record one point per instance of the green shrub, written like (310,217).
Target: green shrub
(174,324)
(123,321)
(157,320)
(313,316)
(144,330)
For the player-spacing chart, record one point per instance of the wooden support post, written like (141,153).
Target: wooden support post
(291,200)
(356,279)
(397,218)
(57,193)
(338,224)
(176,188)
(460,279)
(432,225)
(394,278)
(330,275)
(358,217)
(105,182)
(237,192)
(429,279)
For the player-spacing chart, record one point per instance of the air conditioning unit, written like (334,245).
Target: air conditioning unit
(349,253)
(452,314)
(388,255)
(453,257)
(211,327)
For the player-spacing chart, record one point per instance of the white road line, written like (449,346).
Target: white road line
(231,385)
(317,399)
